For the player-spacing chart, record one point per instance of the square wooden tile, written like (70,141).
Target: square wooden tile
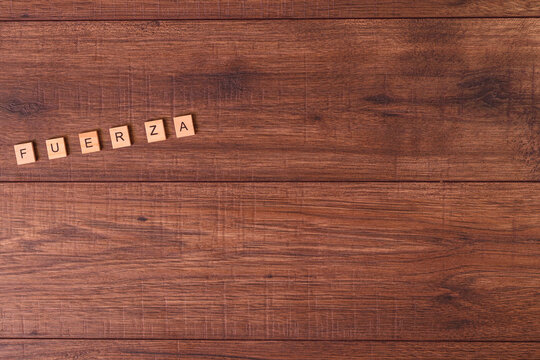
(56,148)
(183,126)
(155,130)
(120,137)
(24,153)
(89,142)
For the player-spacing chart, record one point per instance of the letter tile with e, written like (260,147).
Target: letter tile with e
(89,142)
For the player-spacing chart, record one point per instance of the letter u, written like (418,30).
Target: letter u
(57,147)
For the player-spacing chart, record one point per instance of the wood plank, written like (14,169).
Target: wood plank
(299,9)
(259,350)
(278,101)
(267,261)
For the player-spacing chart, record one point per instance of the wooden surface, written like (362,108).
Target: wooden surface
(277,100)
(258,350)
(271,261)
(259,9)
(363,183)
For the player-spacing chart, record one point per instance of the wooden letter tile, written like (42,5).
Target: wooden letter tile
(120,137)
(184,126)
(89,142)
(24,153)
(56,148)
(155,130)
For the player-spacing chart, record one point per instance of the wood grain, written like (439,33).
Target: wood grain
(270,261)
(277,101)
(300,9)
(259,350)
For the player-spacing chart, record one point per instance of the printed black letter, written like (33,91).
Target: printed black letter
(183,126)
(57,147)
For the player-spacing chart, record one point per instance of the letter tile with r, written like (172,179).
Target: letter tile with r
(120,137)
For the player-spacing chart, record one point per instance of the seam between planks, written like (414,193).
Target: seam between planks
(268,340)
(271,19)
(275,182)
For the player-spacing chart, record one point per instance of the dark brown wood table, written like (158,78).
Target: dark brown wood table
(363,184)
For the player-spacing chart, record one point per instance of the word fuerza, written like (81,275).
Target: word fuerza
(56,148)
